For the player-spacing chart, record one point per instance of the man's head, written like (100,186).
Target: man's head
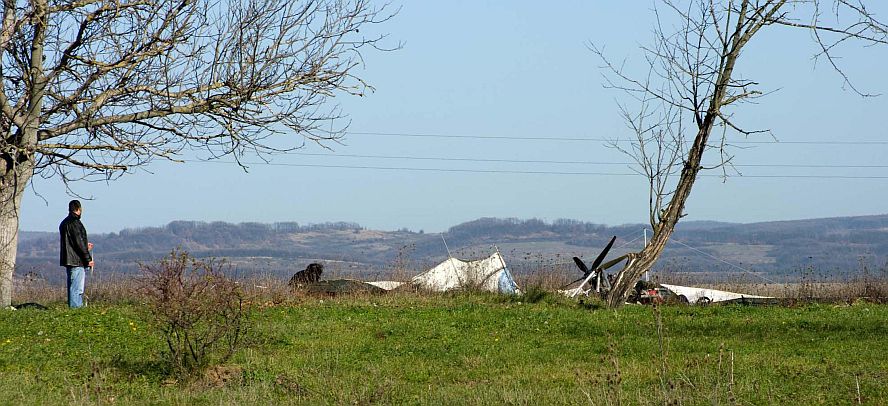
(74,207)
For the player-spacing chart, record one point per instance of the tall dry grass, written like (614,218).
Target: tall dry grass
(536,271)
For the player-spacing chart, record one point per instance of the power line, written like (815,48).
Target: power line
(537,161)
(630,241)
(397,168)
(723,261)
(598,139)
(482,137)
(523,172)
(623,245)
(427,158)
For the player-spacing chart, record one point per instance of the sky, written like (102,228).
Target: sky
(521,69)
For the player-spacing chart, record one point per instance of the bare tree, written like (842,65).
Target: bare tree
(686,98)
(93,88)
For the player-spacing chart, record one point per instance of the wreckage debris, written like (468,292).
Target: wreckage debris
(595,280)
(309,281)
(705,296)
(342,286)
(490,275)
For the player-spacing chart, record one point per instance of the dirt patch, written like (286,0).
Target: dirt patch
(221,375)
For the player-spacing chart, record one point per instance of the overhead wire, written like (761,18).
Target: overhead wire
(563,162)
(600,139)
(519,172)
(623,245)
(698,251)
(540,161)
(721,260)
(397,168)
(555,173)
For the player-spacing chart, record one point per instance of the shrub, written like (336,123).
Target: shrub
(198,311)
(534,294)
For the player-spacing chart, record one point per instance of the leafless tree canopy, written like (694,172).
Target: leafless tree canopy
(124,82)
(92,88)
(682,108)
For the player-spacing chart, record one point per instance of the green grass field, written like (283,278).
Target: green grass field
(462,349)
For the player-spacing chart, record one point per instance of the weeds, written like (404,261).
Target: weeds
(534,294)
(197,310)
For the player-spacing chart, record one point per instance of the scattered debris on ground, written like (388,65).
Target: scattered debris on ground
(341,286)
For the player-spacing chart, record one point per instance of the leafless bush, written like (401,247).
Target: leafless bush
(33,287)
(402,268)
(549,272)
(112,288)
(199,312)
(268,291)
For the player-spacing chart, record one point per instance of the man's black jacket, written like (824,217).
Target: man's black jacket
(73,242)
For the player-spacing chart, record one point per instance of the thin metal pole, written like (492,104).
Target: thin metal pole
(647,274)
(506,269)
(452,266)
(446,247)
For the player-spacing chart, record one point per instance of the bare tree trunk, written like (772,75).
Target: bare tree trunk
(19,167)
(635,268)
(20,161)
(696,64)
(639,263)
(12,187)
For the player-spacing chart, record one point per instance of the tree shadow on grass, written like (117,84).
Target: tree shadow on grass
(153,370)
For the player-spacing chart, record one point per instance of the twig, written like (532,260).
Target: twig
(857,382)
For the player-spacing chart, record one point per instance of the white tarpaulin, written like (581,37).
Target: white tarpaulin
(387,285)
(489,274)
(695,294)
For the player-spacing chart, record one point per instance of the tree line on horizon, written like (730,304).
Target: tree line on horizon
(835,247)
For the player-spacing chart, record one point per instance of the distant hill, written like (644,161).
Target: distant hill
(33,235)
(770,249)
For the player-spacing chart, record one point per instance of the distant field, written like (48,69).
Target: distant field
(463,349)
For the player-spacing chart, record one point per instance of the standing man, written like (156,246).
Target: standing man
(75,255)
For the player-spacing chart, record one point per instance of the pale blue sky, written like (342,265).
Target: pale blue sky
(519,69)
